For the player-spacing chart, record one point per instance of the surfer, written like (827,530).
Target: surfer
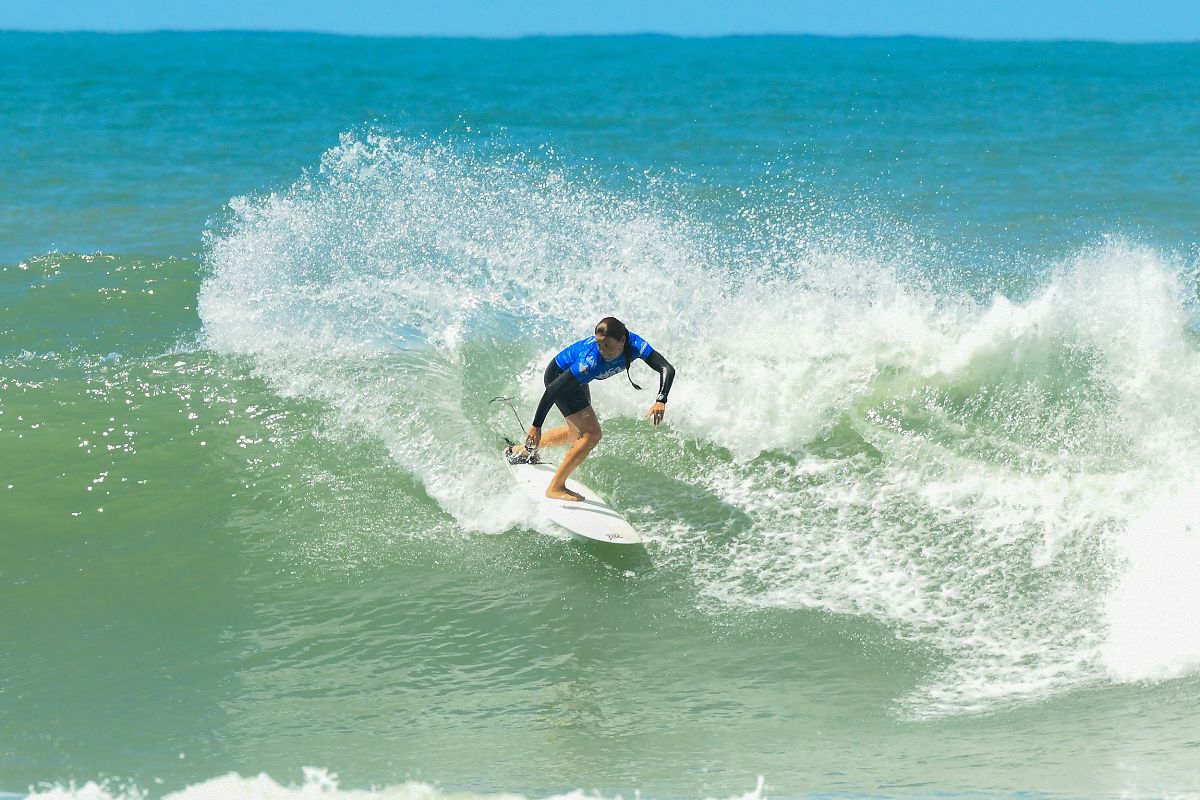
(612,349)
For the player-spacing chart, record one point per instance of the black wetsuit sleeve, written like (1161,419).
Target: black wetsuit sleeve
(552,390)
(666,374)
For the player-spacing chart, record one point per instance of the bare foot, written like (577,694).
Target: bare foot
(564,493)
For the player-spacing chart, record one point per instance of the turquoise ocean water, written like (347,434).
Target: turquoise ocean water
(922,522)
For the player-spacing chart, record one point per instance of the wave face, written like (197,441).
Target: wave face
(1001,480)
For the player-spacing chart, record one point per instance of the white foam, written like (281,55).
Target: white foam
(317,783)
(1018,445)
(1154,612)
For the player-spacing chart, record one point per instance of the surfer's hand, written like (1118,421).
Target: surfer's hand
(656,412)
(532,439)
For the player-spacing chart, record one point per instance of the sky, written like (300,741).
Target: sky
(1111,20)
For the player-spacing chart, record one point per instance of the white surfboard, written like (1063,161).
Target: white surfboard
(591,518)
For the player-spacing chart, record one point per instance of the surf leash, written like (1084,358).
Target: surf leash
(529,457)
(509,403)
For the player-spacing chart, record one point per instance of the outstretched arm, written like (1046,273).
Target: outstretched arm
(666,376)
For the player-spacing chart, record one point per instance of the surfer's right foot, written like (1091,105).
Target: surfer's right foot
(516,454)
(563,494)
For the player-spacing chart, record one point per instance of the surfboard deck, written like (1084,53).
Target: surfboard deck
(590,518)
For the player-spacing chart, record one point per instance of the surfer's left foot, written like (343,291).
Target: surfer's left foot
(563,494)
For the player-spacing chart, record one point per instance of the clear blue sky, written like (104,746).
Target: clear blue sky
(1115,20)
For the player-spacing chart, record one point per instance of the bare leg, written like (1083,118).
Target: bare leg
(558,436)
(552,438)
(586,428)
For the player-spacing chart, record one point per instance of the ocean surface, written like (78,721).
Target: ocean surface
(922,520)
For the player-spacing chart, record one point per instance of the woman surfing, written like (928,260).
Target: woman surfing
(612,349)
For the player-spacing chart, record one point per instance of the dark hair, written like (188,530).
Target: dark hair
(613,328)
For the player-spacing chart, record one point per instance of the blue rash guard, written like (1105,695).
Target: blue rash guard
(572,369)
(586,364)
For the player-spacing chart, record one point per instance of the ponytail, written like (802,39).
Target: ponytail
(629,361)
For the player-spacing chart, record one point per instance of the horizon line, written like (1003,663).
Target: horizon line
(594,35)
